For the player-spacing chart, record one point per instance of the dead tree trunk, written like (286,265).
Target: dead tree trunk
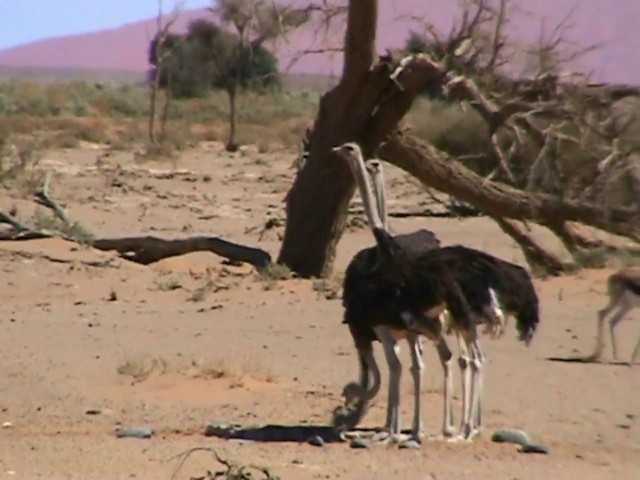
(317,202)
(541,260)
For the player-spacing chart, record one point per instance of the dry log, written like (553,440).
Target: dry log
(148,249)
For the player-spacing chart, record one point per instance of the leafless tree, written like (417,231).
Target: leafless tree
(161,54)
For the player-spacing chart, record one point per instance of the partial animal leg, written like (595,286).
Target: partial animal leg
(358,395)
(445,356)
(392,355)
(602,314)
(417,367)
(464,361)
(477,375)
(612,325)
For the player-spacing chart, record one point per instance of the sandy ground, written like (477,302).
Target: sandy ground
(190,340)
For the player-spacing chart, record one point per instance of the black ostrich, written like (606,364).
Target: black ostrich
(393,293)
(487,283)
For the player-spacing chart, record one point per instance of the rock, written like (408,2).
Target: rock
(93,411)
(143,432)
(6,425)
(316,441)
(534,448)
(512,436)
(358,443)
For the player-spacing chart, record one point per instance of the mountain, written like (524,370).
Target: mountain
(593,22)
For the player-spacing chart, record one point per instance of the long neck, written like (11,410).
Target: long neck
(376,173)
(359,171)
(384,240)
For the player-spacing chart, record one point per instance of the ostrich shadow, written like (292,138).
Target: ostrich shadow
(283,433)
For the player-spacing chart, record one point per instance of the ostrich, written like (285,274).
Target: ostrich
(623,288)
(472,269)
(478,274)
(392,293)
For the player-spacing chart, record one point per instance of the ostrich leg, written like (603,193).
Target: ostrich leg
(445,356)
(477,386)
(417,367)
(464,361)
(392,355)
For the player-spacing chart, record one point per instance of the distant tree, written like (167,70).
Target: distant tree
(210,56)
(203,59)
(246,61)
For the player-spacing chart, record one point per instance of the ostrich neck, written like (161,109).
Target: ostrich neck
(359,171)
(377,179)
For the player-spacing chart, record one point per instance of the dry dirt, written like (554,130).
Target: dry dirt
(190,340)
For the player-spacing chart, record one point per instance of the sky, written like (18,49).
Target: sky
(25,21)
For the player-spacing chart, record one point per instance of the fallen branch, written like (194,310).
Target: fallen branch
(148,249)
(436,169)
(141,249)
(540,259)
(42,198)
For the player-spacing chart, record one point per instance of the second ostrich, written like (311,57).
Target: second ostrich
(392,293)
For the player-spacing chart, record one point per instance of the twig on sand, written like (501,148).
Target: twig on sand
(230,471)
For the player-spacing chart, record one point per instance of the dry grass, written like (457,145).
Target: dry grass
(273,274)
(141,367)
(64,114)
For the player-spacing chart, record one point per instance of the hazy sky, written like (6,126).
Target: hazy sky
(25,21)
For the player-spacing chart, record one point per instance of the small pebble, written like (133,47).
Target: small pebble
(135,433)
(93,411)
(7,425)
(533,448)
(316,441)
(358,443)
(410,444)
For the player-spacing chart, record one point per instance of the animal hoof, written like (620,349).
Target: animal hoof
(411,444)
(459,439)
